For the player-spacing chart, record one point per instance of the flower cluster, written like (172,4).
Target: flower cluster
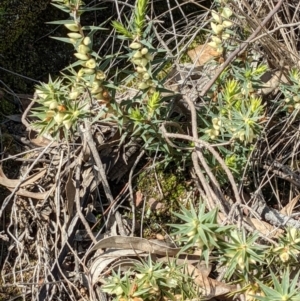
(141,58)
(214,132)
(56,110)
(89,75)
(220,23)
(65,101)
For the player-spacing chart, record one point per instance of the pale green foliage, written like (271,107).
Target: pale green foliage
(140,16)
(288,247)
(237,108)
(199,230)
(151,281)
(57,111)
(234,109)
(241,253)
(122,30)
(147,109)
(286,290)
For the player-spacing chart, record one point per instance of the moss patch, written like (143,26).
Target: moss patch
(169,189)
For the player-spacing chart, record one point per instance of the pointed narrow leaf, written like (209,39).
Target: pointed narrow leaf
(65,40)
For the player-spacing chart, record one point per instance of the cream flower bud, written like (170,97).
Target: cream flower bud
(191,233)
(73,41)
(87,41)
(50,114)
(91,64)
(226,13)
(88,71)
(284,256)
(59,117)
(96,88)
(216,28)
(80,73)
(96,91)
(215,120)
(136,61)
(241,263)
(143,86)
(216,40)
(149,57)
(74,35)
(100,75)
(73,95)
(99,96)
(199,243)
(213,45)
(135,45)
(146,76)
(216,17)
(40,94)
(227,23)
(137,55)
(83,49)
(293,233)
(242,136)
(53,105)
(220,50)
(140,69)
(296,98)
(76,113)
(144,62)
(144,51)
(81,56)
(72,27)
(225,36)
